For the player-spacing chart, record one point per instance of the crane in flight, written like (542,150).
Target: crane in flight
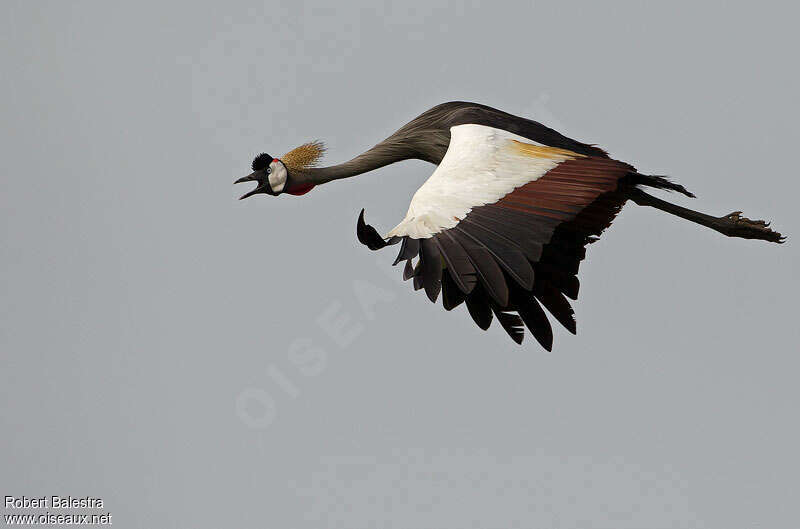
(503,222)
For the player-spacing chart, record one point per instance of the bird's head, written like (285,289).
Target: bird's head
(274,175)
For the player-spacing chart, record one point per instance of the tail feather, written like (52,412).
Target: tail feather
(660,182)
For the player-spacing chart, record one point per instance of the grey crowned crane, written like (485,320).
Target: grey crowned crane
(503,222)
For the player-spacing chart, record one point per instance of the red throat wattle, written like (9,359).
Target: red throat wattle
(300,190)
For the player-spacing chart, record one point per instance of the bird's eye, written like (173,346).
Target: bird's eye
(269,170)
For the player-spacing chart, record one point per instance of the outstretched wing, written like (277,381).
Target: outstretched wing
(502,225)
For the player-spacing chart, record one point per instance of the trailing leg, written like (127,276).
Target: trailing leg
(731,225)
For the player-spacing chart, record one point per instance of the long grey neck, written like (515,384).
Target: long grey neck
(398,147)
(378,156)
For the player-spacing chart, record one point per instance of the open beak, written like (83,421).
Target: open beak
(257,176)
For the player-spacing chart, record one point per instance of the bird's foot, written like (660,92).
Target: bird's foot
(734,225)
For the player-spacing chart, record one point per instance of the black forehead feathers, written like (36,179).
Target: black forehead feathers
(261,161)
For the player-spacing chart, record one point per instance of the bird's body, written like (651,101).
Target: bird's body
(502,223)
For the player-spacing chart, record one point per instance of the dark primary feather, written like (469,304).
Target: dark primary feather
(452,295)
(511,323)
(555,302)
(520,235)
(408,250)
(431,268)
(479,308)
(418,284)
(408,271)
(486,268)
(536,321)
(506,252)
(460,269)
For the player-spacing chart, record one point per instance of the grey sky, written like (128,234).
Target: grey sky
(141,301)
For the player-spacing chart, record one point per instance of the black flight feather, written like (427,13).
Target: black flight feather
(536,321)
(408,271)
(555,302)
(457,260)
(520,235)
(452,296)
(508,255)
(431,268)
(512,324)
(418,274)
(408,250)
(479,309)
(488,271)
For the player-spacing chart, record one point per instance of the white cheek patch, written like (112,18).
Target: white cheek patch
(277,178)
